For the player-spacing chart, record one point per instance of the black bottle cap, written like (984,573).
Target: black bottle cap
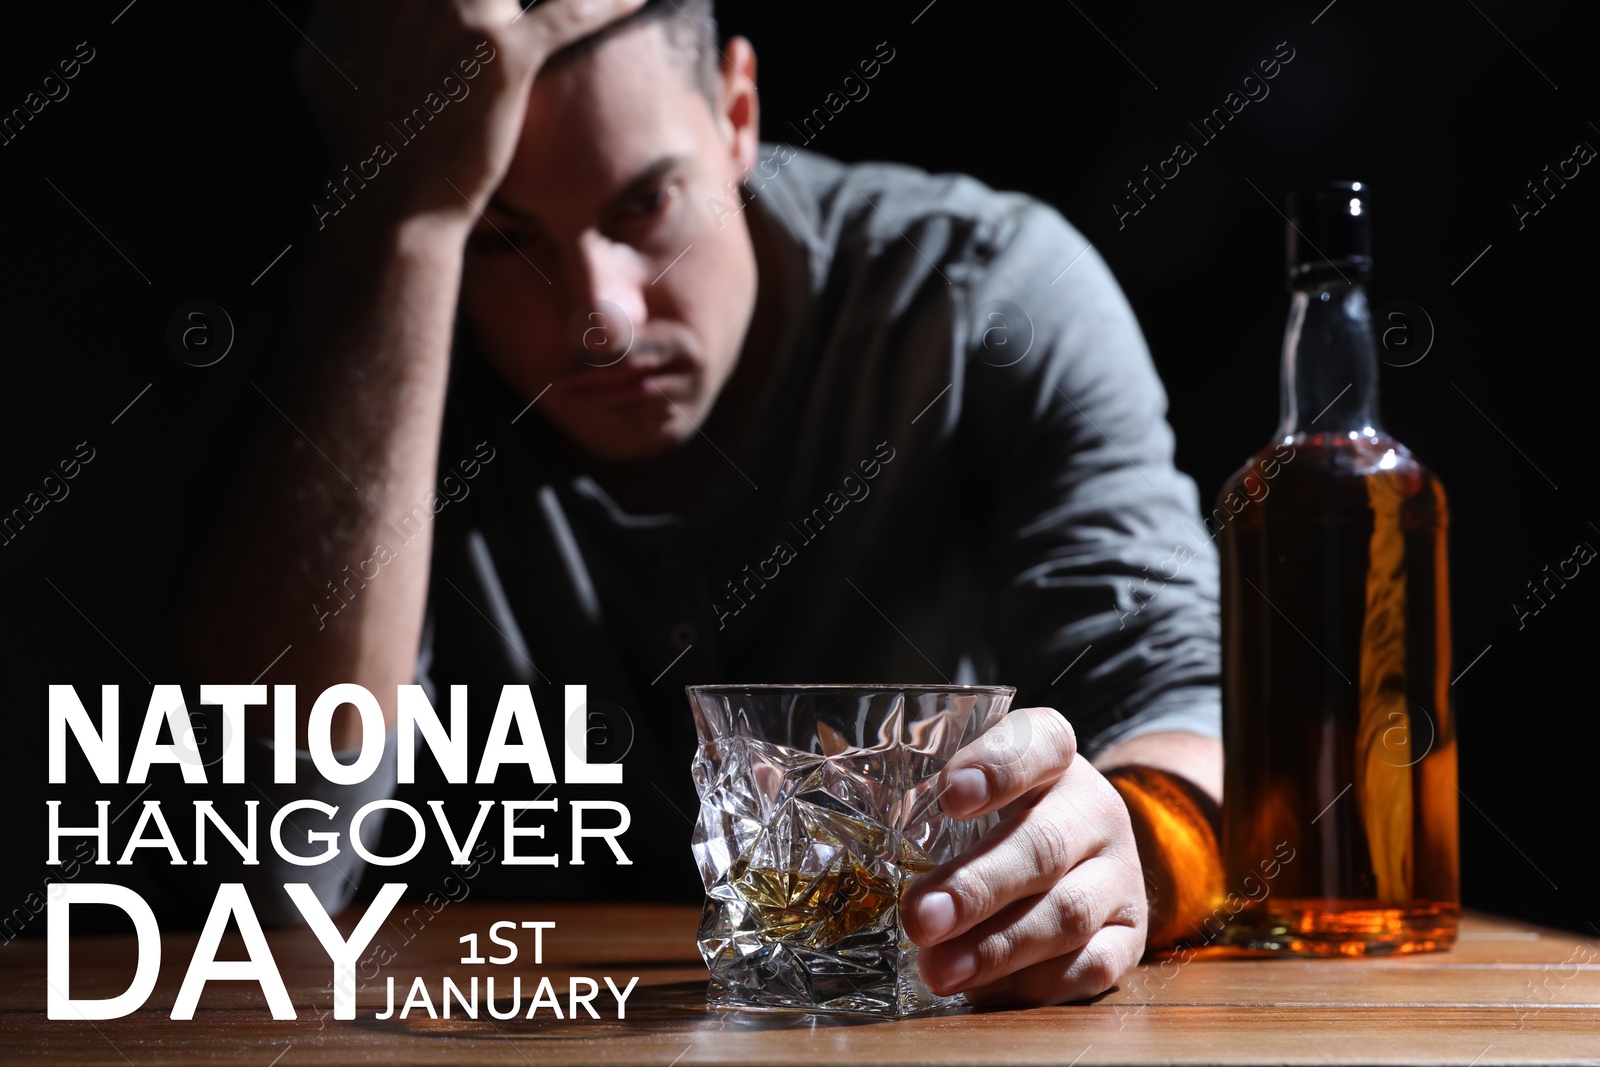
(1330,232)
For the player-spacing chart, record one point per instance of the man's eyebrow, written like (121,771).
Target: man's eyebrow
(642,182)
(636,186)
(498,204)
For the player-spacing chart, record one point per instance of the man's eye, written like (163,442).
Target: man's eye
(488,242)
(653,202)
(499,239)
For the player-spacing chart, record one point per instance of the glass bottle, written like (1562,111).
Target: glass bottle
(1340,811)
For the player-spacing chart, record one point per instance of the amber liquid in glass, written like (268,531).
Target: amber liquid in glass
(1341,742)
(817,910)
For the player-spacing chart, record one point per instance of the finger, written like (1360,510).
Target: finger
(1029,749)
(555,24)
(1097,893)
(1024,855)
(1077,975)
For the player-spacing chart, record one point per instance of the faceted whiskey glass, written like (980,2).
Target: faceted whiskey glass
(819,805)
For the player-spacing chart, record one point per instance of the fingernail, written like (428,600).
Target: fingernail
(959,968)
(966,789)
(936,914)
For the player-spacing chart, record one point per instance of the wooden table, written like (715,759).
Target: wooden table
(1508,992)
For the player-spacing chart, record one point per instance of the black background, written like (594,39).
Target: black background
(184,143)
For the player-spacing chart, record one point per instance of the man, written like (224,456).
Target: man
(705,409)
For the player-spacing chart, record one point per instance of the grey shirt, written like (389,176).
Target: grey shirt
(961,472)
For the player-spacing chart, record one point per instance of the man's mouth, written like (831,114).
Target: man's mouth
(630,379)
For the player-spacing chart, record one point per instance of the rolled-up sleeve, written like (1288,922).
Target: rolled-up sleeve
(1103,582)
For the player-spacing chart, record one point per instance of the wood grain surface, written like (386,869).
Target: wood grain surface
(1507,993)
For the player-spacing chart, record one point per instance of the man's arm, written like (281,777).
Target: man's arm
(1103,605)
(346,440)
(345,444)
(1195,758)
(347,436)
(1171,783)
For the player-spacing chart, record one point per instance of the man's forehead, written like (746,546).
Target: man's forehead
(601,117)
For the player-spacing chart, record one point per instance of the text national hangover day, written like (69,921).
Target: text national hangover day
(99,745)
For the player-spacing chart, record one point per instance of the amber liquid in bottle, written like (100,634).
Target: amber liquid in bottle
(1340,810)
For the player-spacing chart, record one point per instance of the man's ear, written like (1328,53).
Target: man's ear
(738,110)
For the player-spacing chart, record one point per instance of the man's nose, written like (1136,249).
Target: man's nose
(607,299)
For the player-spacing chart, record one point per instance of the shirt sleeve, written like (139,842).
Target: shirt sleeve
(1104,585)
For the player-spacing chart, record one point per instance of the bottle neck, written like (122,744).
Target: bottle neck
(1330,362)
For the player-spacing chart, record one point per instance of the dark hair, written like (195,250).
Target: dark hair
(690,27)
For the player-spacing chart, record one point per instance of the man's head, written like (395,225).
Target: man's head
(604,269)
(689,29)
